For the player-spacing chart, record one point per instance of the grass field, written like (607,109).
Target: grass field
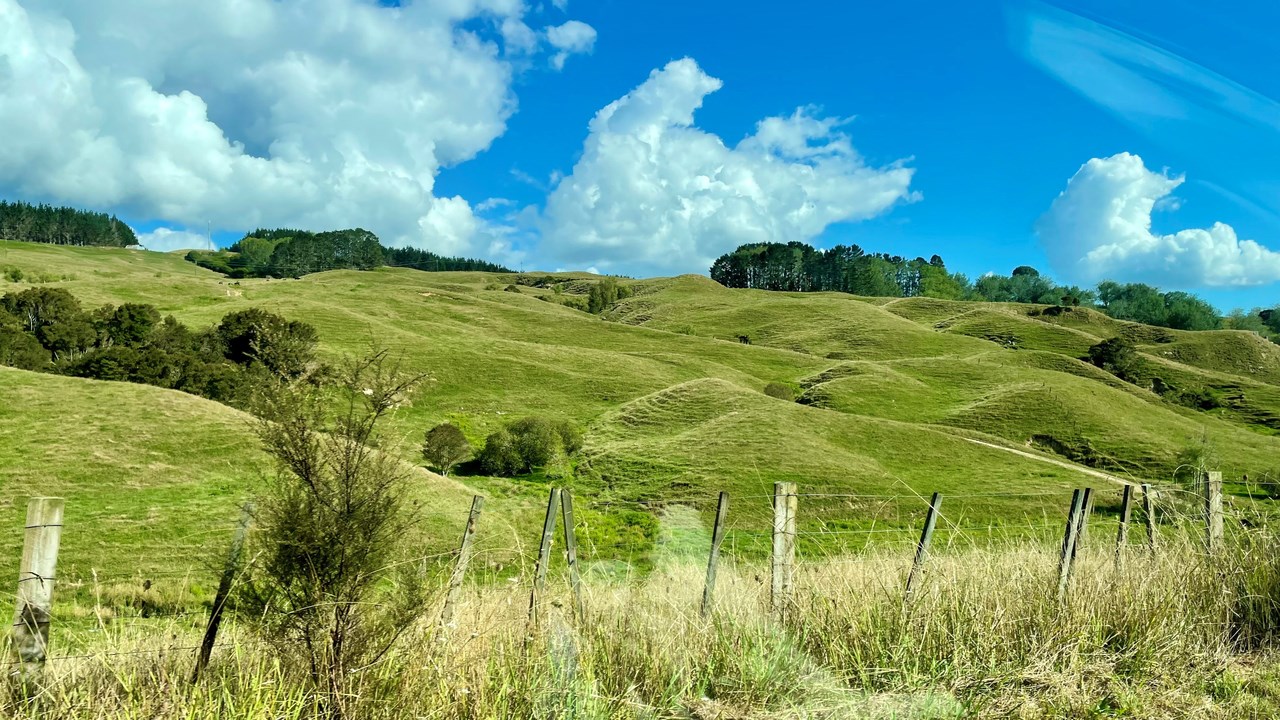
(989,404)
(670,399)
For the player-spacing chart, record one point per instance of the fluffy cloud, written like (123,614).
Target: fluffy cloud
(654,193)
(310,113)
(167,240)
(570,38)
(1099,227)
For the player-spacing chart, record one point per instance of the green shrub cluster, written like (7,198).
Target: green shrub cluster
(604,294)
(48,330)
(529,443)
(781,391)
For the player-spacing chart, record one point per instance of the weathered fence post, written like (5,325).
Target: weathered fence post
(717,536)
(1149,513)
(784,545)
(922,548)
(1122,534)
(1213,510)
(229,572)
(31,618)
(464,559)
(544,553)
(571,552)
(1082,521)
(1069,542)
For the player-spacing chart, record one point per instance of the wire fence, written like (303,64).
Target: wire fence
(827,528)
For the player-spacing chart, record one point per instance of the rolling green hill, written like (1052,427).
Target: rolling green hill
(892,394)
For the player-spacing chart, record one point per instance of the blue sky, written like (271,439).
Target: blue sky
(960,125)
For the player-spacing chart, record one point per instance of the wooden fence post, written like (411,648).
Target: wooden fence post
(1069,542)
(571,552)
(1213,510)
(1149,511)
(784,545)
(1082,522)
(717,536)
(1122,534)
(464,559)
(229,572)
(922,548)
(544,553)
(31,618)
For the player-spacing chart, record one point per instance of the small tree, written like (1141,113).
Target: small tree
(1118,357)
(536,439)
(499,455)
(445,446)
(326,590)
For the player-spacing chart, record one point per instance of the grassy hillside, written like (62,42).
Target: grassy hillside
(891,392)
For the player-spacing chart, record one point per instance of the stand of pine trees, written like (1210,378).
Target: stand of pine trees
(62,226)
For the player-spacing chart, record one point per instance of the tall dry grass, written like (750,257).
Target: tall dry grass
(1176,634)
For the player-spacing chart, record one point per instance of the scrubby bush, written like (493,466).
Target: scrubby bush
(18,348)
(1117,356)
(12,274)
(536,439)
(329,588)
(781,391)
(445,446)
(604,294)
(283,347)
(499,455)
(528,443)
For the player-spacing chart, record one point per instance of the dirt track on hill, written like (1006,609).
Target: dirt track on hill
(1051,461)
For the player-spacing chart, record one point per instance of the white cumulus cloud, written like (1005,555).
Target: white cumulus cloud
(654,193)
(1099,228)
(167,240)
(570,38)
(302,113)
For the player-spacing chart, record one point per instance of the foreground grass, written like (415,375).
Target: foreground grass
(1169,635)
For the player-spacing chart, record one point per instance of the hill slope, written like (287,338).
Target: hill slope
(670,397)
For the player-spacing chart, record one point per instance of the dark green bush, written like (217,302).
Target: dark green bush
(1119,357)
(528,443)
(782,391)
(536,439)
(444,446)
(47,329)
(499,455)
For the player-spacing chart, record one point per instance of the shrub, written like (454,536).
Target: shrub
(781,391)
(604,294)
(1118,357)
(445,446)
(499,455)
(18,348)
(529,443)
(13,274)
(283,347)
(536,439)
(329,590)
(570,436)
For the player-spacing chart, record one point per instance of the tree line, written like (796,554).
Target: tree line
(62,226)
(798,267)
(283,252)
(48,330)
